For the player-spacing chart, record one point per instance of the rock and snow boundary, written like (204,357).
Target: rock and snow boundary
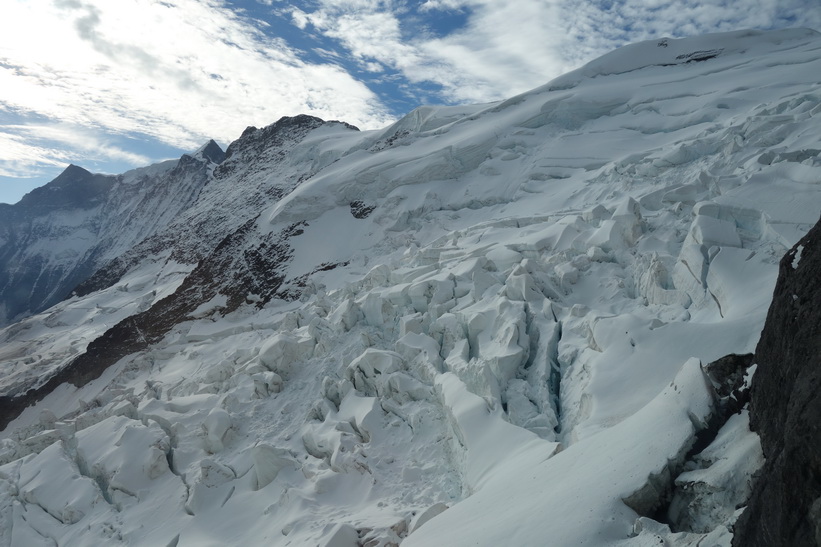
(483,325)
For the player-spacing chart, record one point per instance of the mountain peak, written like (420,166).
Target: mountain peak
(72,172)
(74,187)
(287,128)
(210,151)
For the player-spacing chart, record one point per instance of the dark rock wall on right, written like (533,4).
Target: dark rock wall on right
(785,507)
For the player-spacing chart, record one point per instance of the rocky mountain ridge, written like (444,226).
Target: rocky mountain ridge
(784,508)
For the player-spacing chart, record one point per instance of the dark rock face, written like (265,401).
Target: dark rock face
(727,374)
(785,508)
(212,152)
(255,143)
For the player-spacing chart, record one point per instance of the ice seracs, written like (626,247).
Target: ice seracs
(482,325)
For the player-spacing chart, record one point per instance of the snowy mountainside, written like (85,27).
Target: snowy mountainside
(58,235)
(258,168)
(481,325)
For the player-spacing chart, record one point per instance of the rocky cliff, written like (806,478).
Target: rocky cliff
(785,508)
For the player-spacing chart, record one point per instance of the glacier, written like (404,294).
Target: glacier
(483,325)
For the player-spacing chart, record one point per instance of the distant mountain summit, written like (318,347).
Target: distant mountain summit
(211,152)
(74,188)
(61,233)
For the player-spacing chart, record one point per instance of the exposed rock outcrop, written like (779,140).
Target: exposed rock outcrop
(785,508)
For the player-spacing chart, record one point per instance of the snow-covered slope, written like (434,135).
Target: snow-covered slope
(482,325)
(60,234)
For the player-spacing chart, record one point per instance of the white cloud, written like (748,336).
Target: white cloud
(25,159)
(300,18)
(505,48)
(443,5)
(510,47)
(179,72)
(30,149)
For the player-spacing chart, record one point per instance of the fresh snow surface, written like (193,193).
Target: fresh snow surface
(508,352)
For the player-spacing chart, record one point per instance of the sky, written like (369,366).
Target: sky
(112,85)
